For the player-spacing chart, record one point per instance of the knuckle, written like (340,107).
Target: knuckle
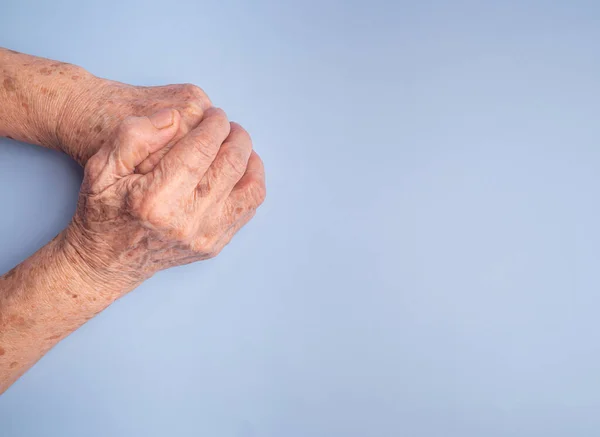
(160,218)
(184,233)
(195,93)
(242,134)
(193,90)
(191,110)
(219,118)
(203,246)
(149,211)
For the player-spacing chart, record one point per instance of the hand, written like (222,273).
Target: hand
(187,208)
(96,107)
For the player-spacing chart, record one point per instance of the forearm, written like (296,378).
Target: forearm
(34,95)
(43,300)
(64,107)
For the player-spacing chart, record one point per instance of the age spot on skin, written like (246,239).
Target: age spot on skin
(62,73)
(2,351)
(13,364)
(19,322)
(9,84)
(45,71)
(238,210)
(74,296)
(98,129)
(203,189)
(75,77)
(53,337)
(44,90)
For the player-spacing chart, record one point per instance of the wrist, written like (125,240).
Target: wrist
(91,114)
(74,127)
(96,268)
(34,97)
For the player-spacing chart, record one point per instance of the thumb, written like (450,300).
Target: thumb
(138,137)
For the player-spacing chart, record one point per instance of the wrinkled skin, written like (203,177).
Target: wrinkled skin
(168,180)
(186,208)
(97,106)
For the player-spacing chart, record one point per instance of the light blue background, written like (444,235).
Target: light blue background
(427,261)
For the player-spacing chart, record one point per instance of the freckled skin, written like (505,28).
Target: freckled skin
(146,239)
(97,124)
(168,181)
(64,99)
(125,230)
(26,84)
(9,84)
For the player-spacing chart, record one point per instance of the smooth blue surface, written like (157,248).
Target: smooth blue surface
(426,264)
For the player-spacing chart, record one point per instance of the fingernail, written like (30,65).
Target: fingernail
(162,119)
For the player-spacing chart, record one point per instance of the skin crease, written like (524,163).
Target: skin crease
(167,187)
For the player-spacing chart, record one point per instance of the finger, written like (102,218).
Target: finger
(191,102)
(149,163)
(250,192)
(138,137)
(186,163)
(229,165)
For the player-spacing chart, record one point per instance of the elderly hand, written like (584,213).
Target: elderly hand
(186,208)
(96,107)
(168,180)
(65,107)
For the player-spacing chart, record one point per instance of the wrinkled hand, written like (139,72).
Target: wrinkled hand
(187,208)
(97,106)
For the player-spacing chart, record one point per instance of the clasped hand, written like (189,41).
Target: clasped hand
(186,207)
